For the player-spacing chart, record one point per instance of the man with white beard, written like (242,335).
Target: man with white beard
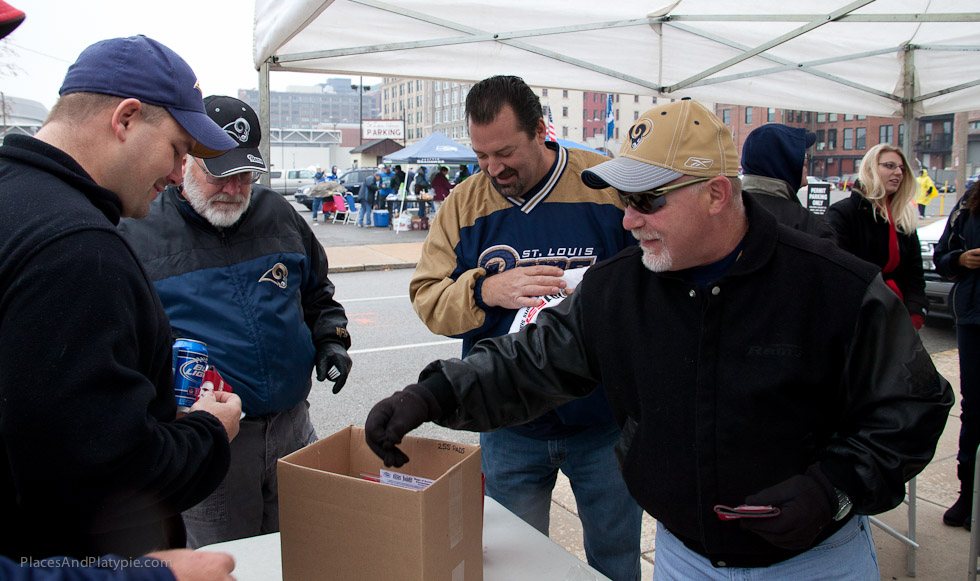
(238,269)
(771,390)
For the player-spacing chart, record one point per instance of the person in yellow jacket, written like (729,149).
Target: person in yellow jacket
(927,191)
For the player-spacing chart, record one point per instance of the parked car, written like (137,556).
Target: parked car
(350,179)
(835,181)
(937,288)
(289,181)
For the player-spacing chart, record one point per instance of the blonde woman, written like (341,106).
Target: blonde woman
(877,223)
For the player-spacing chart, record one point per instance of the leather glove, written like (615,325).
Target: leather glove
(807,503)
(393,417)
(333,362)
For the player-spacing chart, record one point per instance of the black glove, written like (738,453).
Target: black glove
(332,361)
(393,417)
(807,503)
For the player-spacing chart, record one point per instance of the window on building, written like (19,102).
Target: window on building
(585,115)
(455,97)
(807,120)
(411,135)
(832,117)
(885,134)
(848,139)
(455,113)
(771,115)
(821,117)
(564,131)
(848,117)
(636,98)
(831,139)
(861,117)
(726,116)
(821,141)
(617,133)
(901,135)
(438,100)
(860,138)
(584,135)
(585,97)
(595,97)
(564,93)
(748,115)
(636,115)
(973,125)
(436,85)
(790,116)
(544,92)
(564,111)
(593,131)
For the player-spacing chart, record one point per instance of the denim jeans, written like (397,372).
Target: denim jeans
(521,474)
(317,205)
(365,211)
(246,503)
(847,555)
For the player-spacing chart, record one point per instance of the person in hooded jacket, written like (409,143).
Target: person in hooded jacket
(957,258)
(773,164)
(877,224)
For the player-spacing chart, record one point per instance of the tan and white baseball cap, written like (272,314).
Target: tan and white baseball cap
(667,142)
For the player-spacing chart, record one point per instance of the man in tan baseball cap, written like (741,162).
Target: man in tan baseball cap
(771,390)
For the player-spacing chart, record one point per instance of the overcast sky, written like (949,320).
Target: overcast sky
(213,36)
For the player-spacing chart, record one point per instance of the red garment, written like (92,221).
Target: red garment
(440,187)
(893,255)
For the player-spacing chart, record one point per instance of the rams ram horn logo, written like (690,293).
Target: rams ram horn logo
(276,275)
(639,131)
(239,129)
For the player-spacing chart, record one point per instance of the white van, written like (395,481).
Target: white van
(286,182)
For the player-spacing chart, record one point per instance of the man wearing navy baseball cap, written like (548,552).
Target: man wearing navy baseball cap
(92,457)
(266,312)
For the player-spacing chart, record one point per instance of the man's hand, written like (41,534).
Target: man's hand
(188,565)
(393,417)
(969,259)
(227,407)
(333,362)
(517,287)
(805,502)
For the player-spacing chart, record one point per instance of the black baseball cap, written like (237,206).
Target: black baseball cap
(239,121)
(141,68)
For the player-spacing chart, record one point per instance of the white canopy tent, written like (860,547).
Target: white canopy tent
(887,57)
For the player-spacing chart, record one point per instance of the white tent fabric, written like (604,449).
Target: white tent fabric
(884,57)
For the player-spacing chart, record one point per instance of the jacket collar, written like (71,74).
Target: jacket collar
(769,186)
(34,152)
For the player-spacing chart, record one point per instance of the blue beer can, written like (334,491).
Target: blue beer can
(190,361)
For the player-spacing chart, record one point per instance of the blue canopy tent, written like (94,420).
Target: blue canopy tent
(435,148)
(572,145)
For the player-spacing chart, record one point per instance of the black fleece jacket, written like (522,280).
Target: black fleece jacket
(92,460)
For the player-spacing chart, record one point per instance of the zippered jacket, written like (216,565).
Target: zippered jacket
(257,292)
(721,395)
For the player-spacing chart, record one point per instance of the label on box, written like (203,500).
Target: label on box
(404,480)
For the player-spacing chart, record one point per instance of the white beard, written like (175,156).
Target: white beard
(218,216)
(653,261)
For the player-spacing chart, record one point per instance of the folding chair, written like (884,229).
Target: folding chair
(351,217)
(340,207)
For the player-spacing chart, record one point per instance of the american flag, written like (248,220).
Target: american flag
(551,135)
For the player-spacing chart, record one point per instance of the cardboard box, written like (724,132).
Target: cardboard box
(337,524)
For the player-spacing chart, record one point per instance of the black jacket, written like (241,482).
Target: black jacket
(962,233)
(368,191)
(92,460)
(859,233)
(719,393)
(780,200)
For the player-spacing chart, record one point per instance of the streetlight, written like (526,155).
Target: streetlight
(360,109)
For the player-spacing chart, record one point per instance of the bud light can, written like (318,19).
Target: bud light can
(190,361)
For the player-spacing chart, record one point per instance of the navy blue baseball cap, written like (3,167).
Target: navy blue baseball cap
(141,68)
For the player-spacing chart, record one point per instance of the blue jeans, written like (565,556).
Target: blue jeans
(365,211)
(246,503)
(317,205)
(521,474)
(847,555)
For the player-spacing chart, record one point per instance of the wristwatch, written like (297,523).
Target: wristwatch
(843,505)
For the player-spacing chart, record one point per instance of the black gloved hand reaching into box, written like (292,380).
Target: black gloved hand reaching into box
(393,417)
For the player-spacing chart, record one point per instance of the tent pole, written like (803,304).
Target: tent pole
(908,104)
(265,120)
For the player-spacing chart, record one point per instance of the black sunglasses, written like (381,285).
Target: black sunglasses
(650,201)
